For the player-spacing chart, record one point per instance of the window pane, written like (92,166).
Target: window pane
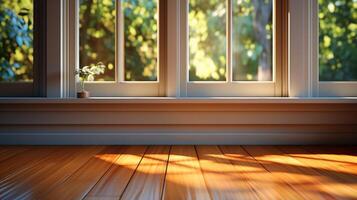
(252,40)
(16,40)
(97,35)
(338,40)
(207,40)
(140,39)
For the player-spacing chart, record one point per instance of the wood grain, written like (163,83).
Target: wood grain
(264,183)
(24,160)
(178,172)
(148,180)
(342,178)
(8,152)
(304,180)
(184,179)
(113,183)
(39,180)
(82,181)
(26,177)
(222,179)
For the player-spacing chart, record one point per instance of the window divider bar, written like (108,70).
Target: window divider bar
(162,47)
(173,49)
(40,48)
(184,48)
(229,16)
(119,43)
(280,48)
(314,47)
(285,49)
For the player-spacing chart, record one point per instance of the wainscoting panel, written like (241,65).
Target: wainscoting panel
(178,121)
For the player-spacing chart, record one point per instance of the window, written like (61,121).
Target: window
(338,40)
(233,48)
(215,48)
(219,47)
(16,47)
(16,56)
(337,47)
(127,37)
(22,54)
(230,48)
(250,40)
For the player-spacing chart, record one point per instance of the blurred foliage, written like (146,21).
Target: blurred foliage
(207,40)
(338,40)
(16,40)
(140,38)
(251,44)
(252,40)
(97,37)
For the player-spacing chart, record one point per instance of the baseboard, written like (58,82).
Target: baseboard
(263,122)
(179,139)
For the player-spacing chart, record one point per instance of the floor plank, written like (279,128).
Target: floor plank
(14,184)
(178,172)
(49,173)
(264,183)
(148,180)
(24,160)
(304,180)
(8,152)
(184,179)
(113,183)
(344,184)
(222,179)
(344,159)
(81,182)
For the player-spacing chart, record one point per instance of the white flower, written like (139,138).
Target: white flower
(90,77)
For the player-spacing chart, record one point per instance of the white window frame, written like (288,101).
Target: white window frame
(328,88)
(304,52)
(229,87)
(298,79)
(173,69)
(119,87)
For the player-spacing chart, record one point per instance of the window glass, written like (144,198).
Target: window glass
(97,35)
(338,40)
(16,40)
(140,39)
(133,42)
(207,40)
(252,40)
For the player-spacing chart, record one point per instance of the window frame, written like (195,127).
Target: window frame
(237,88)
(172,61)
(326,88)
(296,68)
(120,87)
(37,87)
(304,56)
(57,55)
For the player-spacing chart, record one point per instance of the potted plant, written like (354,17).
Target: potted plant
(87,73)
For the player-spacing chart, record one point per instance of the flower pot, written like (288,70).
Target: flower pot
(83,94)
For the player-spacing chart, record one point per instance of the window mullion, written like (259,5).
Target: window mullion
(162,46)
(119,44)
(229,42)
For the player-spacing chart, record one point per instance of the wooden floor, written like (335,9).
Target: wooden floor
(178,172)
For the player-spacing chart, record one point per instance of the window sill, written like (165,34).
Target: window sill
(186,100)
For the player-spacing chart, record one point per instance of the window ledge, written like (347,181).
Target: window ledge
(186,100)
